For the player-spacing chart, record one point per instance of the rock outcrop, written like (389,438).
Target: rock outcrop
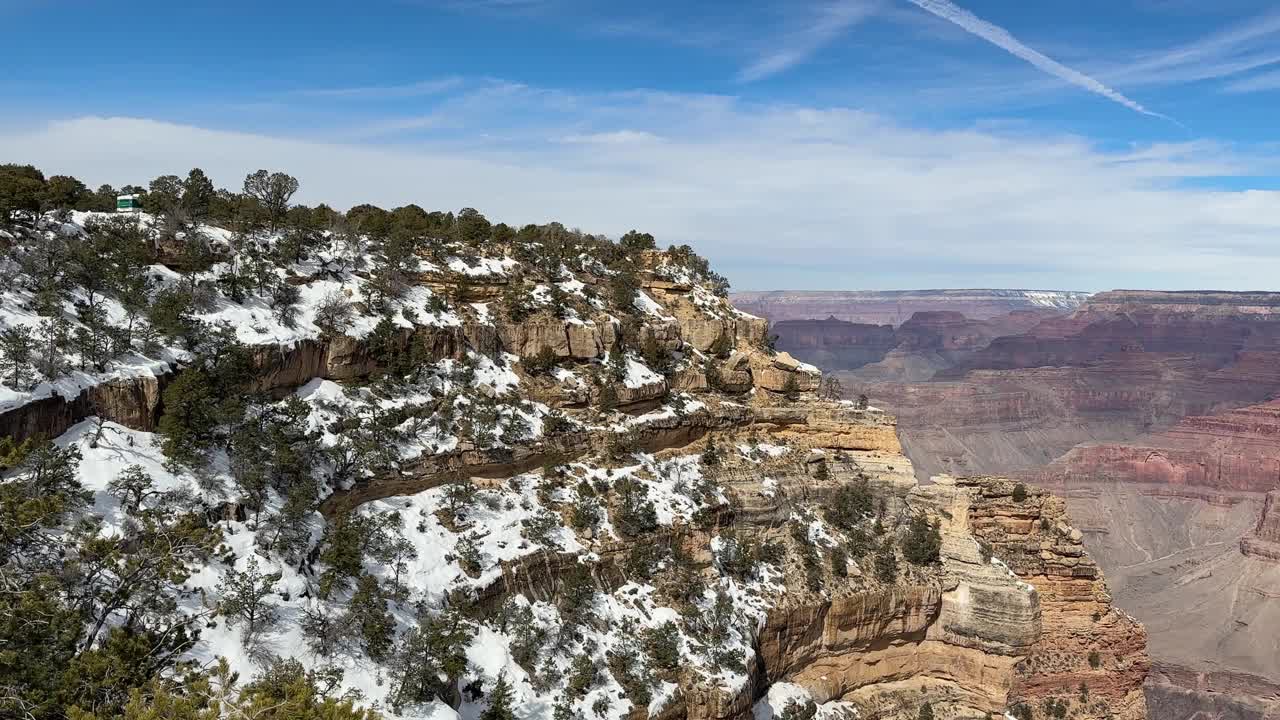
(1264,541)
(133,402)
(573,339)
(969,635)
(1086,640)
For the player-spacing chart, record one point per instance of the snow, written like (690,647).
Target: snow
(807,368)
(1023,586)
(817,530)
(253,320)
(498,513)
(484,266)
(781,695)
(639,375)
(118,448)
(769,487)
(573,286)
(647,305)
(1063,300)
(759,452)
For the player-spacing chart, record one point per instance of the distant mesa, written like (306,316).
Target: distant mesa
(894,307)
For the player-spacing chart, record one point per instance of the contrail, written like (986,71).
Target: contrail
(1001,38)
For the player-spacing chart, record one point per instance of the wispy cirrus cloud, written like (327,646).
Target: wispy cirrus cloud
(1005,40)
(829,22)
(1235,50)
(421,88)
(1264,82)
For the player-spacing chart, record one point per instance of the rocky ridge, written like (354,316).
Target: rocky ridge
(649,469)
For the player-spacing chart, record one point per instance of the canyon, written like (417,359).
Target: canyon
(1152,414)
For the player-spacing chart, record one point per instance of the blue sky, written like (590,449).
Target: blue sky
(833,144)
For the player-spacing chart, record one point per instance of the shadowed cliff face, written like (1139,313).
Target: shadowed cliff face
(1152,414)
(928,342)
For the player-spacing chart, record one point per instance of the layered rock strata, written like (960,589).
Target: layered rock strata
(1014,612)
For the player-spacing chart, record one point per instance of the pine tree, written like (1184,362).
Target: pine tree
(500,701)
(830,388)
(839,562)
(17,349)
(429,659)
(923,542)
(623,287)
(791,387)
(467,550)
(616,370)
(850,505)
(272,191)
(711,454)
(607,398)
(197,194)
(164,196)
(190,420)
(886,564)
(822,473)
(284,303)
(52,339)
(22,187)
(459,495)
(244,598)
(367,614)
(542,361)
(63,192)
(131,487)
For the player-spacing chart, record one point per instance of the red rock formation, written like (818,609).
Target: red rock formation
(1235,450)
(1086,641)
(1115,369)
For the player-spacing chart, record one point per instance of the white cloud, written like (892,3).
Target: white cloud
(777,196)
(616,137)
(1004,40)
(831,19)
